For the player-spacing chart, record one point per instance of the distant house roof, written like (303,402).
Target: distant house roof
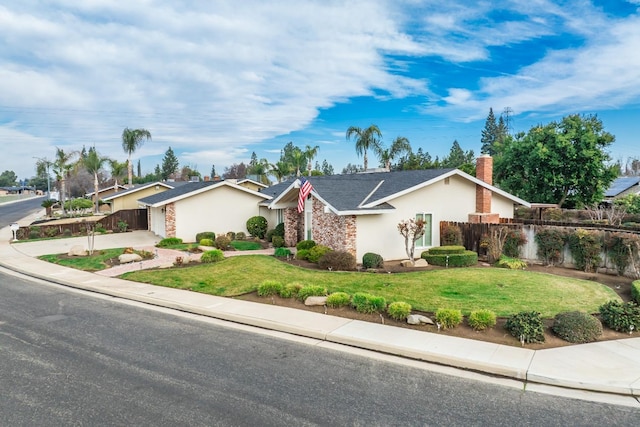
(371,192)
(137,188)
(191,189)
(113,187)
(622,184)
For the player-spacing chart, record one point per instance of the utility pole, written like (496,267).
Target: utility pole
(507,113)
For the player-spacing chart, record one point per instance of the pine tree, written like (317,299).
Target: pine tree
(169,164)
(489,134)
(213,171)
(139,169)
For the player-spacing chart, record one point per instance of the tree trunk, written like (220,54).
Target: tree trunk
(96,189)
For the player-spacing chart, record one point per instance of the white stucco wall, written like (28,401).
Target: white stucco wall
(452,201)
(221,209)
(157,225)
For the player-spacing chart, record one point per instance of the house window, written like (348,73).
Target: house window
(425,240)
(279,216)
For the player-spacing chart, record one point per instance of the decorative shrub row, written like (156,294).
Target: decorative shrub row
(338,299)
(448,317)
(577,327)
(621,317)
(367,303)
(482,319)
(463,259)
(311,291)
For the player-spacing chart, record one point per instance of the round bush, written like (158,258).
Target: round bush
(279,230)
(305,244)
(316,252)
(205,235)
(222,242)
(482,319)
(526,326)
(277,241)
(372,260)
(206,242)
(282,252)
(241,235)
(269,288)
(169,241)
(338,299)
(577,327)
(290,290)
(367,303)
(257,226)
(268,236)
(302,254)
(231,235)
(212,256)
(621,317)
(448,317)
(337,261)
(311,291)
(451,235)
(399,310)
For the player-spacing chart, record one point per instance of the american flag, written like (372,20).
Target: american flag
(305,189)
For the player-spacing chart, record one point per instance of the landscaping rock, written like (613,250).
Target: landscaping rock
(127,258)
(418,263)
(418,319)
(77,250)
(315,301)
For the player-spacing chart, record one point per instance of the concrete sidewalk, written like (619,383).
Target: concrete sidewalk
(608,366)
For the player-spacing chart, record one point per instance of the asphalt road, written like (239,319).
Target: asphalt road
(12,212)
(67,358)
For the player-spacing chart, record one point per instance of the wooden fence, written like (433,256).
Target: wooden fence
(136,219)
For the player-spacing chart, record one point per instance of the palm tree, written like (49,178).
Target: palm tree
(310,152)
(280,170)
(62,166)
(260,169)
(298,159)
(93,162)
(42,169)
(118,171)
(131,140)
(366,139)
(399,146)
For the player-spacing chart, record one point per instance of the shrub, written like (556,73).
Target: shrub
(302,254)
(178,261)
(465,259)
(526,326)
(514,240)
(585,248)
(337,261)
(241,235)
(621,317)
(622,248)
(371,260)
(511,263)
(311,291)
(338,299)
(451,235)
(34,233)
(222,242)
(367,303)
(290,290)
(268,236)
(447,250)
(269,287)
(551,243)
(316,252)
(99,228)
(305,244)
(122,226)
(51,231)
(169,241)
(279,230)
(277,241)
(448,317)
(206,235)
(231,235)
(67,232)
(482,319)
(282,252)
(212,256)
(635,291)
(399,310)
(206,242)
(577,327)
(257,226)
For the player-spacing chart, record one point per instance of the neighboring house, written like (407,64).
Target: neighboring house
(359,213)
(128,199)
(105,192)
(621,187)
(218,206)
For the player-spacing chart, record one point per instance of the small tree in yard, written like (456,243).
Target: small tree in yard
(411,230)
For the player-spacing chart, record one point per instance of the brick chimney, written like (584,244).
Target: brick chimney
(484,172)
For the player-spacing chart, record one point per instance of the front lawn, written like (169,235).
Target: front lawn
(245,245)
(96,262)
(504,291)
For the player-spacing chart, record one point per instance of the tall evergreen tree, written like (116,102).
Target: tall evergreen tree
(489,134)
(327,168)
(213,171)
(169,164)
(139,169)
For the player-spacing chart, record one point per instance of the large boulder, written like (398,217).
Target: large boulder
(418,319)
(310,301)
(127,258)
(77,250)
(417,263)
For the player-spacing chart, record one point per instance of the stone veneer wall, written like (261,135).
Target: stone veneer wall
(170,220)
(336,232)
(291,224)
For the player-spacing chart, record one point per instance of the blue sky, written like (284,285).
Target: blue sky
(218,80)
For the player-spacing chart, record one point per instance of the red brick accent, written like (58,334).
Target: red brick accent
(336,232)
(484,218)
(292,219)
(484,172)
(170,220)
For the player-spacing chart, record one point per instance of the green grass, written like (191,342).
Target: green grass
(95,262)
(505,292)
(187,247)
(245,245)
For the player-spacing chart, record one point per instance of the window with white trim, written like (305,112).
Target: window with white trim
(425,240)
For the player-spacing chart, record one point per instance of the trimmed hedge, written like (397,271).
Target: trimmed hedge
(577,327)
(372,260)
(447,250)
(169,241)
(305,244)
(205,235)
(464,259)
(635,291)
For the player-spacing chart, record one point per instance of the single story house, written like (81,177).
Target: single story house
(218,206)
(128,199)
(359,213)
